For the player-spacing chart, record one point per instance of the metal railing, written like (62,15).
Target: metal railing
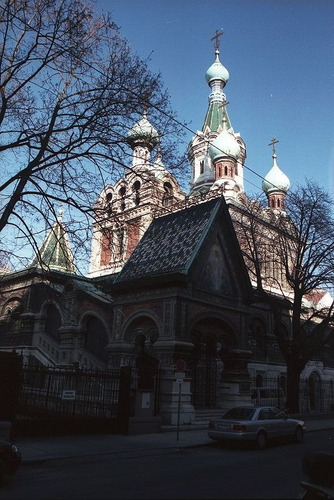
(315,395)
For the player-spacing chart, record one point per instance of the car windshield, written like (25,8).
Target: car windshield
(240,414)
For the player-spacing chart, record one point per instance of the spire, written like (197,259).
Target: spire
(216,76)
(55,252)
(217,131)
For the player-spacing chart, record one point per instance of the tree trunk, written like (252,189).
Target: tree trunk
(293,377)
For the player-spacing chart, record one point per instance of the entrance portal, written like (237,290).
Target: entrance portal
(211,337)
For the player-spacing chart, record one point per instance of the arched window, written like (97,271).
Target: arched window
(136,187)
(121,241)
(226,171)
(201,167)
(168,195)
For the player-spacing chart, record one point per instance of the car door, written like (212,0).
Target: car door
(267,417)
(282,424)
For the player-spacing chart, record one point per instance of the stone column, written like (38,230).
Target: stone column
(171,390)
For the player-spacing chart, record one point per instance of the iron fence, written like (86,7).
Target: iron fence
(315,395)
(60,392)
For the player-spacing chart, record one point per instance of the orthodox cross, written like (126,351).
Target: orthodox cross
(272,143)
(224,104)
(216,38)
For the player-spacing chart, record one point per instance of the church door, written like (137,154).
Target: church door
(204,365)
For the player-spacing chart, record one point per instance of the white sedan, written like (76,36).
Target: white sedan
(258,424)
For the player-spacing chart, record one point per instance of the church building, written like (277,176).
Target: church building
(167,278)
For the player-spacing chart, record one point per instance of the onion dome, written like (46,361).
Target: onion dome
(217,71)
(275,180)
(225,144)
(143,133)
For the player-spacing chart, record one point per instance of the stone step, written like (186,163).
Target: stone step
(207,414)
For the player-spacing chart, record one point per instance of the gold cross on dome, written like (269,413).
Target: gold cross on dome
(272,143)
(216,38)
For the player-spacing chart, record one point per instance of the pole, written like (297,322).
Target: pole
(178,413)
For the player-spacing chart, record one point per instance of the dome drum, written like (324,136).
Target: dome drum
(225,169)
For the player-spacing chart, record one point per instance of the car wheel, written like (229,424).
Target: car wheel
(299,435)
(261,441)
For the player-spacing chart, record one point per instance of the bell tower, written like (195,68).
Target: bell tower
(206,173)
(124,210)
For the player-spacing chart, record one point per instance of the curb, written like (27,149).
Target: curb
(148,451)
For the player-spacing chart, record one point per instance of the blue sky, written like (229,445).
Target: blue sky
(280,56)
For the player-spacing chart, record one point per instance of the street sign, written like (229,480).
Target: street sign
(68,394)
(179,381)
(180,365)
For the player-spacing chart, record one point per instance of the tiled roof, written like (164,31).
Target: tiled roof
(170,243)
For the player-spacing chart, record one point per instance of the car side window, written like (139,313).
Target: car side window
(263,415)
(273,414)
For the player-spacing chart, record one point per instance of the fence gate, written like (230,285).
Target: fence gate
(204,380)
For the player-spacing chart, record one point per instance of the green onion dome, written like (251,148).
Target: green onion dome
(217,72)
(143,133)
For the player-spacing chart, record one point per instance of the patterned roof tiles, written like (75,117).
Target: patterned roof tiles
(170,243)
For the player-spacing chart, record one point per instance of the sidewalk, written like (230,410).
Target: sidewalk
(39,449)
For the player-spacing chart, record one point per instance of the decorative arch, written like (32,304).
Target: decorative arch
(214,324)
(142,330)
(141,323)
(12,307)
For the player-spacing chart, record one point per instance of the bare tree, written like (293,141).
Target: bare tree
(290,257)
(70,88)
